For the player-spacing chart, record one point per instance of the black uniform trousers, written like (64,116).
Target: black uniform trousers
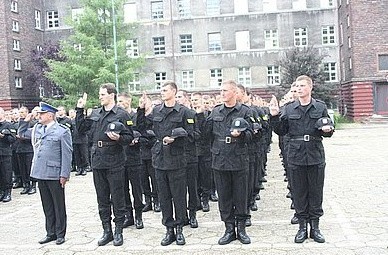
(147,173)
(232,191)
(81,155)
(132,174)
(192,186)
(205,176)
(25,161)
(307,183)
(172,196)
(5,172)
(53,201)
(109,185)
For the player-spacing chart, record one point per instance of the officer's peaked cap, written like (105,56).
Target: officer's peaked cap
(239,124)
(44,107)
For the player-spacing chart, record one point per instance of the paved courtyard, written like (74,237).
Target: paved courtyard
(355,204)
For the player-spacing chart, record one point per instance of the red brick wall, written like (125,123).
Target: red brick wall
(357,100)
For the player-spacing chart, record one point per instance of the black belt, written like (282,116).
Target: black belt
(101,144)
(306,138)
(229,139)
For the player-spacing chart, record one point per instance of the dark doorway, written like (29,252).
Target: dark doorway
(381,98)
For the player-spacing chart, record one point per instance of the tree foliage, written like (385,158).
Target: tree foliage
(88,54)
(307,61)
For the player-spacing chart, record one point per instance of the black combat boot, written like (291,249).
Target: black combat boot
(7,196)
(107,236)
(169,238)
(139,220)
(254,206)
(118,236)
(294,220)
(17,183)
(205,204)
(32,188)
(180,239)
(2,193)
(26,188)
(192,220)
(241,234)
(128,220)
(157,205)
(301,235)
(229,235)
(315,233)
(148,205)
(79,171)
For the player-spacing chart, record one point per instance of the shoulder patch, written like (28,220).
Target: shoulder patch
(253,119)
(63,126)
(265,117)
(129,123)
(190,121)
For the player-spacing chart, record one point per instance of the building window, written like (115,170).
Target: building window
(184,8)
(269,5)
(132,48)
(186,43)
(215,77)
(214,41)
(38,19)
(213,7)
(328,35)
(240,6)
(327,3)
(349,42)
(242,40)
(76,13)
(134,84)
(244,76)
(330,70)
(130,12)
(52,19)
(348,20)
(77,47)
(350,64)
(273,75)
(299,4)
(18,82)
(271,39)
(300,37)
(159,45)
(159,79)
(383,62)
(41,91)
(14,6)
(15,26)
(17,65)
(188,79)
(157,10)
(16,45)
(342,34)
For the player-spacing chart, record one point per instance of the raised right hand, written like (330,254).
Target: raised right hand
(274,106)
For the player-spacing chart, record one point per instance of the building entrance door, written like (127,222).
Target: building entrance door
(381,98)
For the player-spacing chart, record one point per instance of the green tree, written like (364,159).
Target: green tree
(306,61)
(89,52)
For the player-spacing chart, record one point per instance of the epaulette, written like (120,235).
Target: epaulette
(63,126)
(320,101)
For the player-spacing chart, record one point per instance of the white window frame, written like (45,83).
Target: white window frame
(38,19)
(269,5)
(300,37)
(134,84)
(160,77)
(52,19)
(14,6)
(18,82)
(186,41)
(41,91)
(214,42)
(39,48)
(299,4)
(15,26)
(159,44)
(350,63)
(328,35)
(271,39)
(342,33)
(330,69)
(76,13)
(130,12)
(243,40)
(16,45)
(216,77)
(273,75)
(157,10)
(244,76)
(132,46)
(213,7)
(327,3)
(17,64)
(349,42)
(241,7)
(77,47)
(188,80)
(184,8)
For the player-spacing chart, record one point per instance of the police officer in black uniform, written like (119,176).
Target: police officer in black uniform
(230,161)
(306,156)
(107,159)
(169,158)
